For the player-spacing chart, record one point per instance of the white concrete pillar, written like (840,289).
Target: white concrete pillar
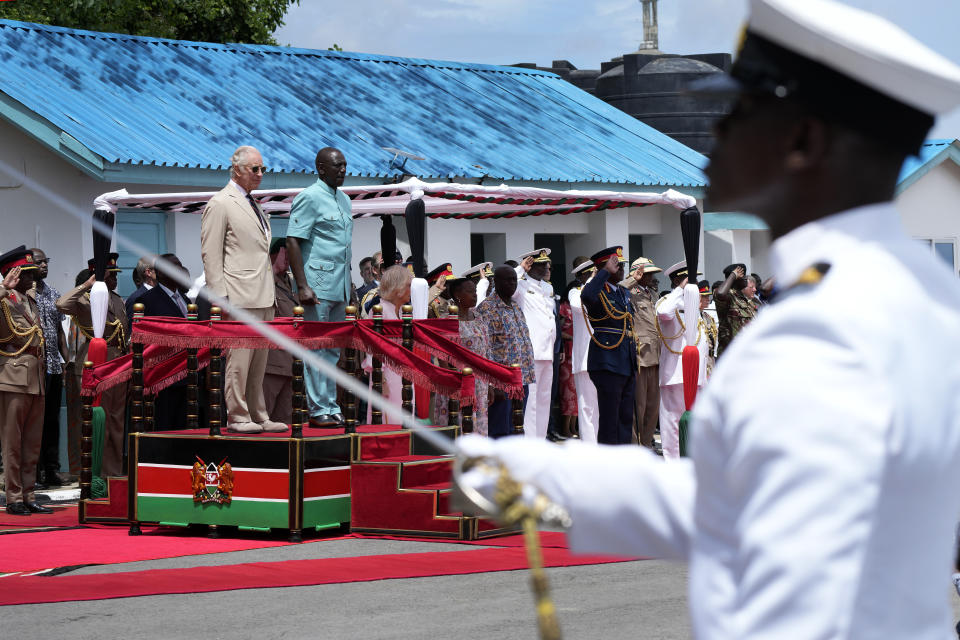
(616,229)
(518,242)
(448,241)
(741,247)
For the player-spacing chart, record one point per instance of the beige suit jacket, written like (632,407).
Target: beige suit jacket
(24,373)
(236,251)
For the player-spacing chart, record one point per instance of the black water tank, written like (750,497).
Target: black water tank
(651,88)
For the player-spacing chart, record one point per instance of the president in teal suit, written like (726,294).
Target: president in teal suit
(318,245)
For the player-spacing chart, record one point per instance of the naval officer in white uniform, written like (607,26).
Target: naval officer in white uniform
(535,297)
(671,323)
(586,393)
(825,507)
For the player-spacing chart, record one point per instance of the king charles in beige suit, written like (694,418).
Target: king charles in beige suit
(235,244)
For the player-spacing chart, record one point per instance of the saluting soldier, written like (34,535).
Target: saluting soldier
(534,295)
(22,372)
(76,303)
(612,359)
(439,296)
(481,274)
(643,298)
(672,319)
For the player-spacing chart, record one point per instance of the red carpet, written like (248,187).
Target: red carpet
(109,545)
(259,575)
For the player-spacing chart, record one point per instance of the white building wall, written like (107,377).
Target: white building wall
(928,206)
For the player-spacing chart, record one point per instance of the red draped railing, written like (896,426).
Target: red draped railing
(163,367)
(165,360)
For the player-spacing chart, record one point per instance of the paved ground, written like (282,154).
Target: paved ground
(643,599)
(632,600)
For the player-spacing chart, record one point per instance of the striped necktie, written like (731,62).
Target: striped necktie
(256,210)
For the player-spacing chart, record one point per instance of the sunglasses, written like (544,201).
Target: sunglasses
(258,169)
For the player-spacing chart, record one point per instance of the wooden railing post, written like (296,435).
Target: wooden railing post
(517,405)
(406,340)
(193,378)
(352,367)
(299,418)
(216,381)
(86,445)
(453,405)
(136,404)
(376,374)
(466,424)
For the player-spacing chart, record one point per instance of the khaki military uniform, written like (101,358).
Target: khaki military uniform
(647,398)
(22,373)
(76,303)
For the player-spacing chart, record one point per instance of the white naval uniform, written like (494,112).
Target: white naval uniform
(587,421)
(535,298)
(672,404)
(821,504)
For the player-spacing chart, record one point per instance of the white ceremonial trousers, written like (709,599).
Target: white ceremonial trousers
(587,420)
(536,417)
(821,497)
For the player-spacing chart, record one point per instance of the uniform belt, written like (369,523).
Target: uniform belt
(608,330)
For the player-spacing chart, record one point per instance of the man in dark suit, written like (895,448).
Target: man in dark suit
(167,299)
(612,358)
(145,277)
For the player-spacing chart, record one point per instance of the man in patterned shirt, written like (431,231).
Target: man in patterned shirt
(509,343)
(734,309)
(55,345)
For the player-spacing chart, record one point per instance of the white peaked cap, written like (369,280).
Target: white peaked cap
(862,46)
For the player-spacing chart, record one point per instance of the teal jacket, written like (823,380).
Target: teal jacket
(321,219)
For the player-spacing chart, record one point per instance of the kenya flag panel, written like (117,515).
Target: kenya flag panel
(223,481)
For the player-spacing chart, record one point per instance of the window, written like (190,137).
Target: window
(943,248)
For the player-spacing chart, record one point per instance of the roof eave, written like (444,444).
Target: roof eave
(52,137)
(950,152)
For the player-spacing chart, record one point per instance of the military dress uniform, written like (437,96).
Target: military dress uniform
(821,497)
(22,374)
(76,303)
(643,301)
(535,299)
(671,324)
(612,358)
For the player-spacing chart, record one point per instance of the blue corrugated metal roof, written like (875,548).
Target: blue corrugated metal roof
(931,154)
(137,100)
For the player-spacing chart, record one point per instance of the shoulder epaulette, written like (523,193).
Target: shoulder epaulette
(808,278)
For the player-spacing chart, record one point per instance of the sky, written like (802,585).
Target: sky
(585,32)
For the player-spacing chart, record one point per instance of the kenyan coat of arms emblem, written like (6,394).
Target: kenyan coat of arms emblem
(212,482)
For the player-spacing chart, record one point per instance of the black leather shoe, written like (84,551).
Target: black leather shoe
(36,507)
(18,509)
(324,420)
(338,419)
(555,437)
(52,479)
